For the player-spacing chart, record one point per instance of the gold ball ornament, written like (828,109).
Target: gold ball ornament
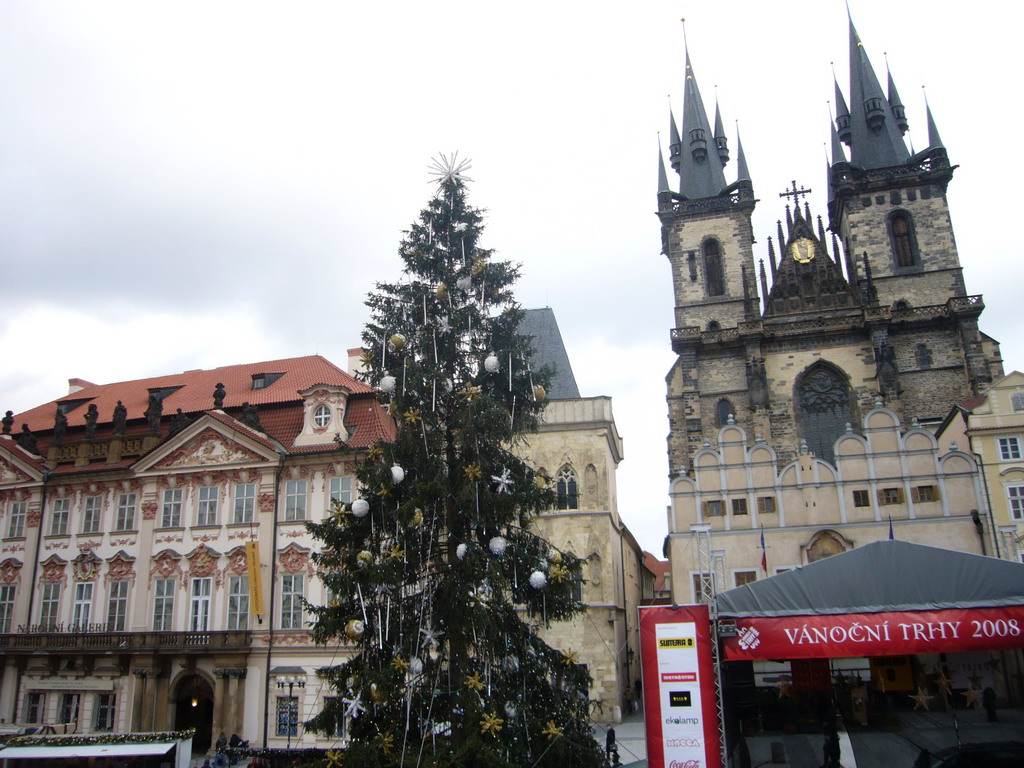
(365,558)
(554,556)
(397,341)
(355,629)
(441,291)
(539,393)
(417,517)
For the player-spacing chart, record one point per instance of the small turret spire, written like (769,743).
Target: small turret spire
(821,232)
(721,143)
(934,140)
(771,257)
(663,187)
(842,123)
(742,172)
(782,237)
(764,282)
(675,144)
(895,105)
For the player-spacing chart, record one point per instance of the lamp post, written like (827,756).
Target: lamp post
(291,682)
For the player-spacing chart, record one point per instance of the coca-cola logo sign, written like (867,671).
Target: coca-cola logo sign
(691,763)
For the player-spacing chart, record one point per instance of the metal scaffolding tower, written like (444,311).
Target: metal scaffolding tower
(711,573)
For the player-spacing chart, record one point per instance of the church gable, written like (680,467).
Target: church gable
(205,446)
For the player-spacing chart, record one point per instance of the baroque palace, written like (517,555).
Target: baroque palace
(809,383)
(155,561)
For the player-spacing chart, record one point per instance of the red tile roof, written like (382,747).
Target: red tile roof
(196,390)
(659,568)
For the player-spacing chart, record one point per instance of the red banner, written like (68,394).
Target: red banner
(877,634)
(679,690)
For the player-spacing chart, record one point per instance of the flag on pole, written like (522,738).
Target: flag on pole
(891,537)
(764,553)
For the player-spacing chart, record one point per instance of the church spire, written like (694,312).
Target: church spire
(675,144)
(700,175)
(934,140)
(895,105)
(875,137)
(842,115)
(721,143)
(663,186)
(742,172)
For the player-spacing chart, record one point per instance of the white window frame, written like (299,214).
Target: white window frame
(35,707)
(206,505)
(322,415)
(245,503)
(16,524)
(287,715)
(81,612)
(199,604)
(1009,448)
(60,512)
(104,712)
(341,489)
(170,516)
(238,602)
(92,514)
(295,500)
(163,605)
(68,708)
(6,607)
(49,606)
(117,606)
(1015,501)
(125,512)
(736,573)
(292,592)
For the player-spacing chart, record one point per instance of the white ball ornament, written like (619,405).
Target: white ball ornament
(464,284)
(416,666)
(397,474)
(387,384)
(497,545)
(360,508)
(491,364)
(538,580)
(460,551)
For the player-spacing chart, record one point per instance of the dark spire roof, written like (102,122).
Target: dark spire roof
(548,350)
(842,114)
(875,137)
(662,175)
(742,173)
(934,140)
(700,174)
(675,144)
(896,106)
(721,143)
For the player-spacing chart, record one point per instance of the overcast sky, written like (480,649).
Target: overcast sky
(195,184)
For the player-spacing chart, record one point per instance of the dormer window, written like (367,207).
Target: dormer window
(264,380)
(322,416)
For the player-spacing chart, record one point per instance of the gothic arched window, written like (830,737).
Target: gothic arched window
(568,493)
(904,245)
(723,411)
(924,356)
(823,408)
(713,268)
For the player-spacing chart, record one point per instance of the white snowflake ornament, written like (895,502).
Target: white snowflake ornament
(503,482)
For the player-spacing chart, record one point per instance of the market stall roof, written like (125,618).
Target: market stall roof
(85,750)
(881,576)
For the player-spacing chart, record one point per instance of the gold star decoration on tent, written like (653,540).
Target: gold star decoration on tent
(944,683)
(785,688)
(921,699)
(972,696)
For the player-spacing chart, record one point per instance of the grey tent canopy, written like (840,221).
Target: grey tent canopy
(881,576)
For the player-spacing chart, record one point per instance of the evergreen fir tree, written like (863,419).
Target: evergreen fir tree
(439,582)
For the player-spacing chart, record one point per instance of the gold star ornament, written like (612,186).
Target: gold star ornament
(334,758)
(570,657)
(491,724)
(470,392)
(474,682)
(552,731)
(400,664)
(921,699)
(396,553)
(412,415)
(558,573)
(473,472)
(386,742)
(375,452)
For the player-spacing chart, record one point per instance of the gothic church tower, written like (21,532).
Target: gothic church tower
(878,310)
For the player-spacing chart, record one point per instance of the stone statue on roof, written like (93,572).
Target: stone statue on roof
(27,440)
(92,414)
(120,419)
(179,422)
(251,416)
(154,411)
(218,395)
(60,426)
(8,422)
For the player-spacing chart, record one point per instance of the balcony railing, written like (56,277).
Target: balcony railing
(32,638)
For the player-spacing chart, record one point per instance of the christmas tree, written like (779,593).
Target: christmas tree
(435,576)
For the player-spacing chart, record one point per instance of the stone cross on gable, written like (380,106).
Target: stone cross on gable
(795,193)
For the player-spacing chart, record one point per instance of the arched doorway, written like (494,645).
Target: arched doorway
(194,709)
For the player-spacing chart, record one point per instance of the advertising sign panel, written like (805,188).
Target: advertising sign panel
(681,713)
(877,634)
